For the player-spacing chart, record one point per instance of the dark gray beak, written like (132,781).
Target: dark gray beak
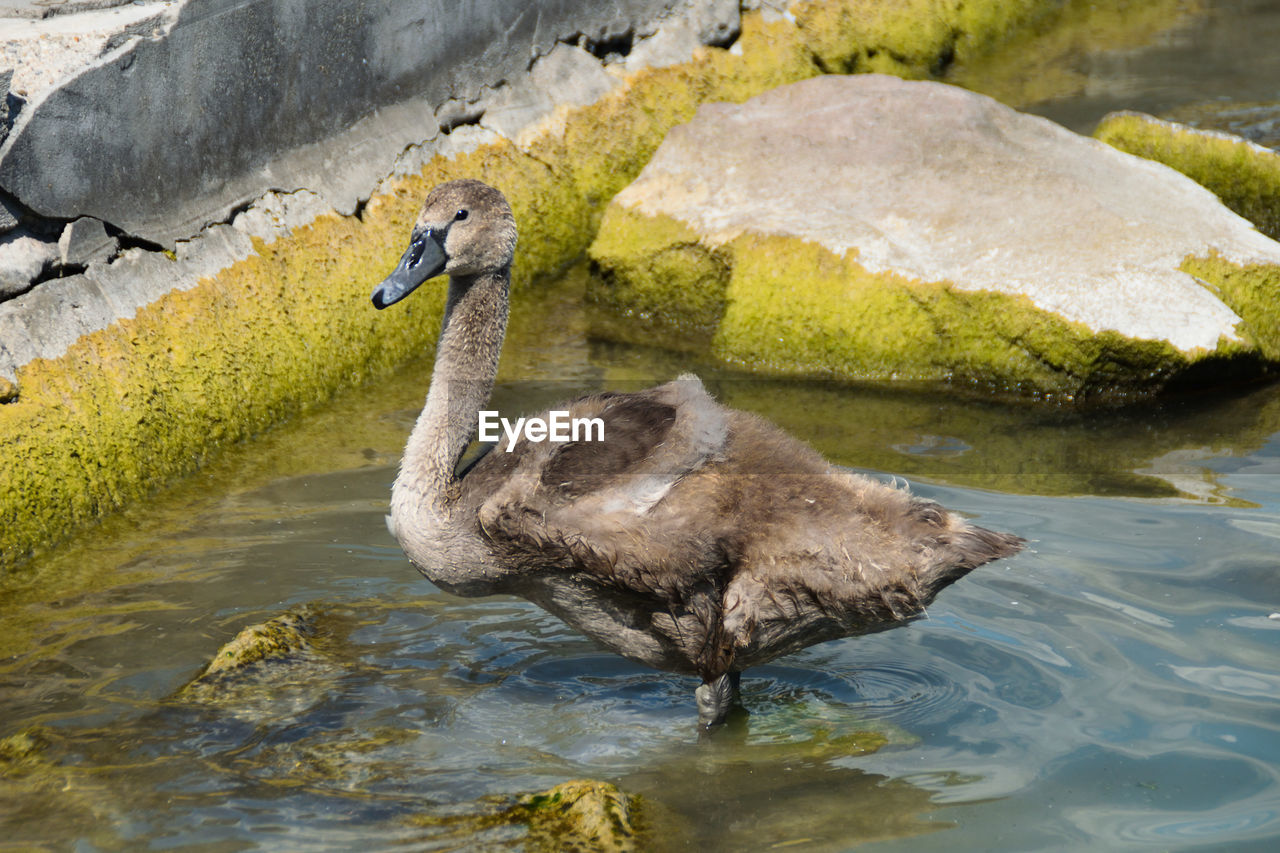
(423,259)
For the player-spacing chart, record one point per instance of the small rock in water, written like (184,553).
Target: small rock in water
(579,815)
(283,636)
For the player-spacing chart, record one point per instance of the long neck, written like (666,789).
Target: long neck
(475,320)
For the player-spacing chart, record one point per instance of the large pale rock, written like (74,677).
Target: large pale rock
(869,227)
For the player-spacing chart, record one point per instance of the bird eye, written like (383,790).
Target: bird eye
(460,215)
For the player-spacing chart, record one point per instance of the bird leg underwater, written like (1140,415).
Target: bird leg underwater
(717,697)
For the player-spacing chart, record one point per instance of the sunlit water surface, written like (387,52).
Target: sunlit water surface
(1115,686)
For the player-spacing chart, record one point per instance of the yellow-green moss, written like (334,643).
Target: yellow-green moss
(579,815)
(1250,290)
(793,307)
(21,752)
(278,637)
(1245,176)
(910,38)
(659,278)
(132,406)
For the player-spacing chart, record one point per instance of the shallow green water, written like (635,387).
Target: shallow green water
(1116,686)
(1205,62)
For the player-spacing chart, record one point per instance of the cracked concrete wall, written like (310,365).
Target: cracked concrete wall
(164,134)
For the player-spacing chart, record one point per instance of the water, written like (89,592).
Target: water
(1205,62)
(1114,687)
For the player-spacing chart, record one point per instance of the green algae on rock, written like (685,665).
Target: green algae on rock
(258,653)
(20,752)
(578,815)
(278,637)
(1245,175)
(918,232)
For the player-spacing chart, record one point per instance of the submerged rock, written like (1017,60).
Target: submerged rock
(279,637)
(872,228)
(264,667)
(21,752)
(1241,172)
(579,815)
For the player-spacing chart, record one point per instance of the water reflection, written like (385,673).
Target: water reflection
(1116,685)
(1135,635)
(1140,56)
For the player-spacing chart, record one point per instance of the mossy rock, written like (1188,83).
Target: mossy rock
(581,815)
(920,233)
(578,816)
(21,753)
(1245,175)
(255,655)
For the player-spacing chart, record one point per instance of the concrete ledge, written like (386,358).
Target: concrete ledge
(223,98)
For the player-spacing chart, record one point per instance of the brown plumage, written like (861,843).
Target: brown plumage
(692,538)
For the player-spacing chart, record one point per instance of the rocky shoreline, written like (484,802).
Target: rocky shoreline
(185,262)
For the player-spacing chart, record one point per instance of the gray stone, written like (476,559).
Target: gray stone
(448,145)
(44,50)
(16,345)
(55,316)
(85,240)
(716,22)
(719,22)
(23,257)
(8,219)
(6,79)
(137,278)
(567,75)
(277,214)
(48,8)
